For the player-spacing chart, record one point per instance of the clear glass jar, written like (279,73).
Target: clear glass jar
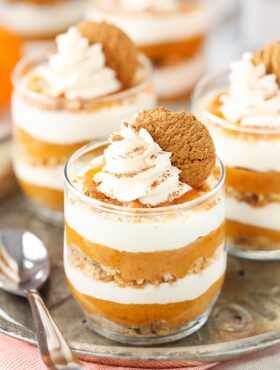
(171,34)
(252,160)
(143,275)
(47,130)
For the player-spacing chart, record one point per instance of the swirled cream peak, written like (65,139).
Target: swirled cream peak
(136,168)
(254,95)
(78,69)
(142,5)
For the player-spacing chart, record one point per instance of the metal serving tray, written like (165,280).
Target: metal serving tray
(245,319)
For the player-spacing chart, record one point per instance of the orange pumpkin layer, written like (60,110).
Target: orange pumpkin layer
(90,189)
(253,181)
(257,237)
(143,314)
(150,266)
(177,51)
(48,197)
(40,149)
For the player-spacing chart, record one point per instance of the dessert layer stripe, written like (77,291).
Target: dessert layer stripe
(266,217)
(149,266)
(139,315)
(147,28)
(152,234)
(49,177)
(257,155)
(188,288)
(38,19)
(66,127)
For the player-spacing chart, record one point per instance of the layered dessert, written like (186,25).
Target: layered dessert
(170,32)
(38,22)
(7,178)
(244,119)
(78,94)
(144,228)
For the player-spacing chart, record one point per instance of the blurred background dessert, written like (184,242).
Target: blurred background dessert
(242,113)
(79,93)
(7,178)
(38,22)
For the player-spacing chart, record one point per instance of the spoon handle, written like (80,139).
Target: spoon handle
(54,350)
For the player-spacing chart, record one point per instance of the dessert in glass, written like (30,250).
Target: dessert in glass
(79,94)
(38,22)
(170,32)
(243,117)
(144,240)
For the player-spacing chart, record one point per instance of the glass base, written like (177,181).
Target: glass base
(254,254)
(46,214)
(138,339)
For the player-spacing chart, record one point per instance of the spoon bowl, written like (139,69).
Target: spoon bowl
(24,268)
(24,261)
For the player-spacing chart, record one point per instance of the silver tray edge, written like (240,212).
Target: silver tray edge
(205,353)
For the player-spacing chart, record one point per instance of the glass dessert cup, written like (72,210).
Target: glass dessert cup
(143,275)
(38,23)
(252,175)
(173,39)
(47,130)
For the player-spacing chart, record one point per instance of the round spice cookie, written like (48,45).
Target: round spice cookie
(189,141)
(270,57)
(119,50)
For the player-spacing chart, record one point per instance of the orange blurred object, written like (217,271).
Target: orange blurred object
(10,53)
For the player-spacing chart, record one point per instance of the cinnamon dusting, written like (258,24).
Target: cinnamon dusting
(90,189)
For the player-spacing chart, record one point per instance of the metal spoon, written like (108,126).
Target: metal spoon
(24,268)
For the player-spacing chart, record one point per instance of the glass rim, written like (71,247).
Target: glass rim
(35,60)
(112,208)
(197,95)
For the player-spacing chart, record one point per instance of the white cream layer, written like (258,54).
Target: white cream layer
(32,20)
(147,28)
(267,217)
(259,155)
(179,78)
(151,234)
(48,177)
(189,288)
(66,127)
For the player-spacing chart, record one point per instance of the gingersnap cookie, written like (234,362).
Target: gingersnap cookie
(270,57)
(189,141)
(119,50)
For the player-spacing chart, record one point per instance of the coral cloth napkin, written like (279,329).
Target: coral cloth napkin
(15,355)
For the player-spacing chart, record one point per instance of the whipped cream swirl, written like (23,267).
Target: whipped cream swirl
(254,95)
(142,5)
(136,168)
(78,69)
